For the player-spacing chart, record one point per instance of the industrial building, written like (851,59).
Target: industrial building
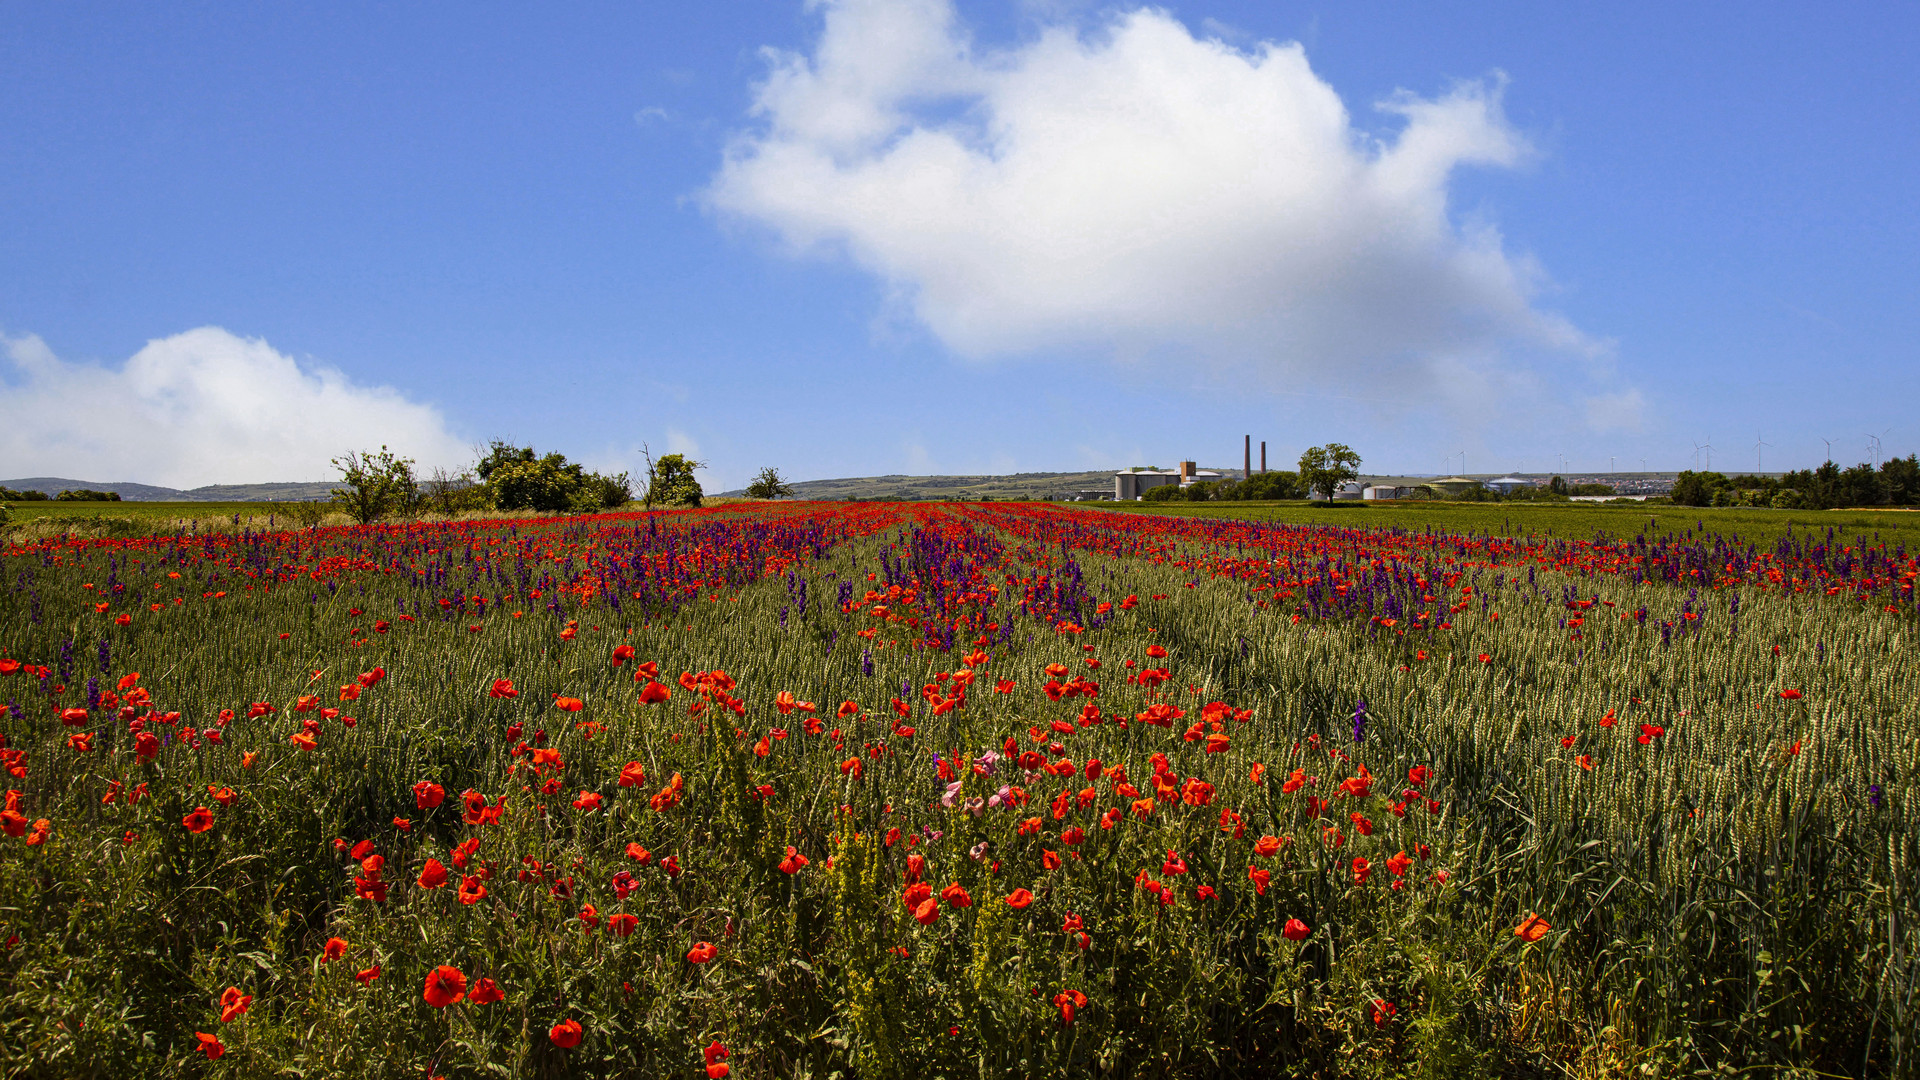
(1134,483)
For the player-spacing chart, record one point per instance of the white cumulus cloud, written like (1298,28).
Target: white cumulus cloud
(1131,188)
(201,407)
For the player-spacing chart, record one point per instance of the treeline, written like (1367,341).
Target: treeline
(1895,483)
(1267,485)
(376,485)
(78,495)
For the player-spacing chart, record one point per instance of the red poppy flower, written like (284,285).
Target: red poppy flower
(433,875)
(588,801)
(632,775)
(1260,878)
(199,821)
(622,924)
(445,985)
(955,896)
(471,891)
(702,952)
(233,1003)
(73,717)
(638,854)
(1362,869)
(1067,1000)
(335,949)
(716,1057)
(568,704)
(427,795)
(653,693)
(1019,898)
(1790,695)
(793,862)
(1383,1011)
(927,912)
(1399,864)
(1296,930)
(486,992)
(365,977)
(1532,928)
(209,1045)
(503,688)
(566,1034)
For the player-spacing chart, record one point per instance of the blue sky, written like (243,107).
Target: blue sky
(873,236)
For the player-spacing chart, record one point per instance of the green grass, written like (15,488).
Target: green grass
(1572,521)
(146,511)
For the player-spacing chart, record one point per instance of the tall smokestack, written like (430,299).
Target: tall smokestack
(1263,455)
(1246,461)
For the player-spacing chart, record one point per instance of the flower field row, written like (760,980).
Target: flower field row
(917,790)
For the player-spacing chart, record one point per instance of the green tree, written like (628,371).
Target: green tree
(1902,477)
(1325,468)
(500,452)
(1269,485)
(671,482)
(1697,488)
(375,485)
(769,485)
(518,479)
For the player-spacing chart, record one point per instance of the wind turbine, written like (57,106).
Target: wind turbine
(1873,446)
(1696,457)
(1757,444)
(1829,443)
(1708,447)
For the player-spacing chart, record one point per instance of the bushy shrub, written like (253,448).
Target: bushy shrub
(516,479)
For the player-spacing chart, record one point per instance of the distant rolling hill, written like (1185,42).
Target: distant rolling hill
(1014,486)
(130,492)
